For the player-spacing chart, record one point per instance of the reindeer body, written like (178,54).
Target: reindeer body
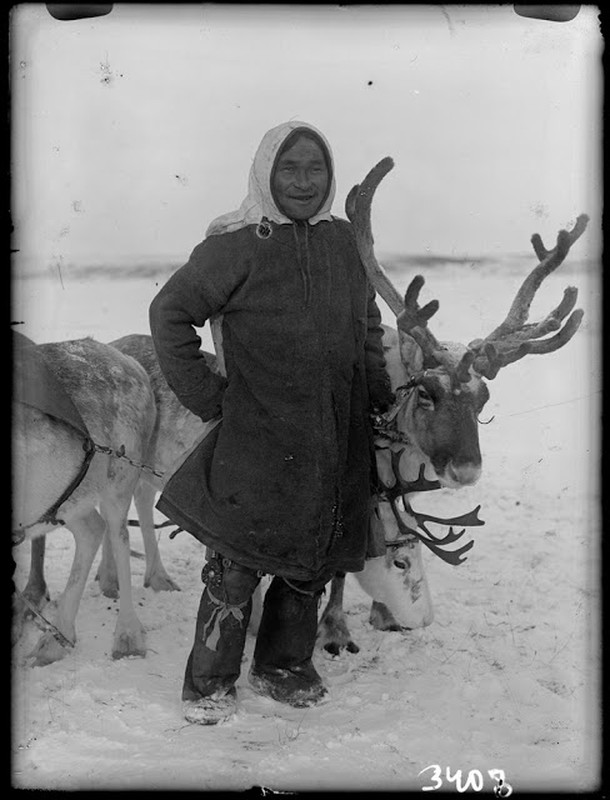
(113,395)
(438,420)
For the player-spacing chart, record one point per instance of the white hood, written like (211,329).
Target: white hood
(259,201)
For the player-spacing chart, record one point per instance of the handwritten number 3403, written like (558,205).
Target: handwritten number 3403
(474,780)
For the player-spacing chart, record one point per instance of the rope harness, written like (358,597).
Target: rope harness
(384,425)
(90,447)
(50,515)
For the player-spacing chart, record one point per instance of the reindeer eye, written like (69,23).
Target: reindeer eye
(400,564)
(424,399)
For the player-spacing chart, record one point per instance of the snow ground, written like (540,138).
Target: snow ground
(507,676)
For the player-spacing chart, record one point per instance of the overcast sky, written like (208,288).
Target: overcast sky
(133,130)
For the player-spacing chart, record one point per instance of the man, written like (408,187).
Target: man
(282,485)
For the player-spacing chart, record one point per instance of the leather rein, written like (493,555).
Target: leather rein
(384,425)
(50,515)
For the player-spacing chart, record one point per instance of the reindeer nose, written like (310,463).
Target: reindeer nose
(462,474)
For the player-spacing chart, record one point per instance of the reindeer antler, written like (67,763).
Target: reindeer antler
(511,340)
(402,488)
(514,337)
(358,210)
(434,543)
(411,318)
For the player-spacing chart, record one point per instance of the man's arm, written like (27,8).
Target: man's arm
(188,299)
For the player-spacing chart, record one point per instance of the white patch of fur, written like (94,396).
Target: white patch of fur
(404,591)
(406,595)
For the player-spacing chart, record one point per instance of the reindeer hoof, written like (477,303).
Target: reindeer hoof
(161,583)
(47,651)
(109,588)
(334,648)
(125,651)
(128,644)
(22,612)
(118,654)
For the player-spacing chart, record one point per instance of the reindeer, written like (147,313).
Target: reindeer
(430,438)
(63,475)
(172,436)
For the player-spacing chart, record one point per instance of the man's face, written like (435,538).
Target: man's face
(300,179)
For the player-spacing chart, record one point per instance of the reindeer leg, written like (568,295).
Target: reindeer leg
(333,632)
(257,610)
(88,532)
(106,571)
(129,636)
(36,590)
(155,575)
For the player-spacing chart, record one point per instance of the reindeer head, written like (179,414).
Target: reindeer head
(438,410)
(445,379)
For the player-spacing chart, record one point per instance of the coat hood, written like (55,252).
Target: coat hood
(259,201)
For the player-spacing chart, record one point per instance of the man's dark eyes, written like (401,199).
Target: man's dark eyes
(315,168)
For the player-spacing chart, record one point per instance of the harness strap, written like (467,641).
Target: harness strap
(44,624)
(384,424)
(49,515)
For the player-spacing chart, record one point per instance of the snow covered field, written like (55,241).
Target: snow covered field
(505,678)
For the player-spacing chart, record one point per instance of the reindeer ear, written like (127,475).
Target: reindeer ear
(411,354)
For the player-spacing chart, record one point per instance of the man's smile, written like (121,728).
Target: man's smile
(301,179)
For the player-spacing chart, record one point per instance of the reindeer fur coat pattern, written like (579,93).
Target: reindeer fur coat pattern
(283,483)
